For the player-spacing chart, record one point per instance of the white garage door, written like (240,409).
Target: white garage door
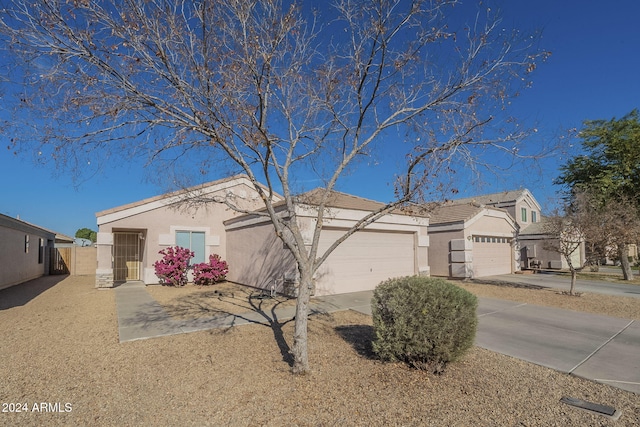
(364,260)
(491,256)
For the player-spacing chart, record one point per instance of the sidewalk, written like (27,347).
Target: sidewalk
(600,348)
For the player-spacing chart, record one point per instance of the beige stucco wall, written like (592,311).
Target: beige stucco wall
(530,206)
(488,223)
(17,265)
(258,258)
(491,226)
(439,251)
(157,228)
(548,257)
(83,261)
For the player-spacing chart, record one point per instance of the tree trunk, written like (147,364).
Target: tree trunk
(299,349)
(627,273)
(574,274)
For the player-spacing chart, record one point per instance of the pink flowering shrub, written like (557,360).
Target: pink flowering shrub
(209,273)
(172,268)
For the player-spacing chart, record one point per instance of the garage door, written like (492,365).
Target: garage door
(491,256)
(364,260)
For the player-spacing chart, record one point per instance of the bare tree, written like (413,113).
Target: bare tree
(276,88)
(564,237)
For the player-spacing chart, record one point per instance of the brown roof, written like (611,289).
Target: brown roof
(534,228)
(340,200)
(337,199)
(448,214)
(494,198)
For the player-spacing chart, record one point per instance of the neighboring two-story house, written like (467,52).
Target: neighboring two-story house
(468,239)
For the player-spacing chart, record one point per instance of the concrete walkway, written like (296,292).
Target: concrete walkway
(141,317)
(600,348)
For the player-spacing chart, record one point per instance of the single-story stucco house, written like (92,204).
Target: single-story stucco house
(130,237)
(395,245)
(470,240)
(24,251)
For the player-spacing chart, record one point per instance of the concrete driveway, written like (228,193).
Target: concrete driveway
(600,348)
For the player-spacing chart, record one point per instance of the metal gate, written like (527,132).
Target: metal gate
(126,252)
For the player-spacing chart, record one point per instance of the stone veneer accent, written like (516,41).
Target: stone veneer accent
(104,280)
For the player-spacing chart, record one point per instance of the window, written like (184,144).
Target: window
(193,240)
(26,243)
(40,251)
(523,212)
(534,216)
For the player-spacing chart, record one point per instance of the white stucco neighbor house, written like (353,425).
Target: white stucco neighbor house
(130,237)
(24,251)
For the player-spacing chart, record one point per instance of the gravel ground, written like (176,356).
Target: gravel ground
(60,347)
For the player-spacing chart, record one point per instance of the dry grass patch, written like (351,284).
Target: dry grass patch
(193,302)
(608,277)
(623,307)
(61,345)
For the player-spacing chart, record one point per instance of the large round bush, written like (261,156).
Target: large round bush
(425,322)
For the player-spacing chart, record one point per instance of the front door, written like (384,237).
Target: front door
(126,253)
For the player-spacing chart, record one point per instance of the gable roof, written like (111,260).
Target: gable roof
(341,200)
(534,228)
(501,199)
(167,199)
(449,214)
(337,199)
(63,238)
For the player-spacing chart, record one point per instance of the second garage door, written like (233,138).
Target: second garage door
(364,260)
(491,256)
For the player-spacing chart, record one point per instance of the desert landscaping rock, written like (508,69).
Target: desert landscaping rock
(60,346)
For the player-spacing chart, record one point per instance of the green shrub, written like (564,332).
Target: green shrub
(422,321)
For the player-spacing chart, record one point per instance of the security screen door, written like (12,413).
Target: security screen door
(126,252)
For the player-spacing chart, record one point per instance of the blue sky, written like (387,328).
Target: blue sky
(592,74)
